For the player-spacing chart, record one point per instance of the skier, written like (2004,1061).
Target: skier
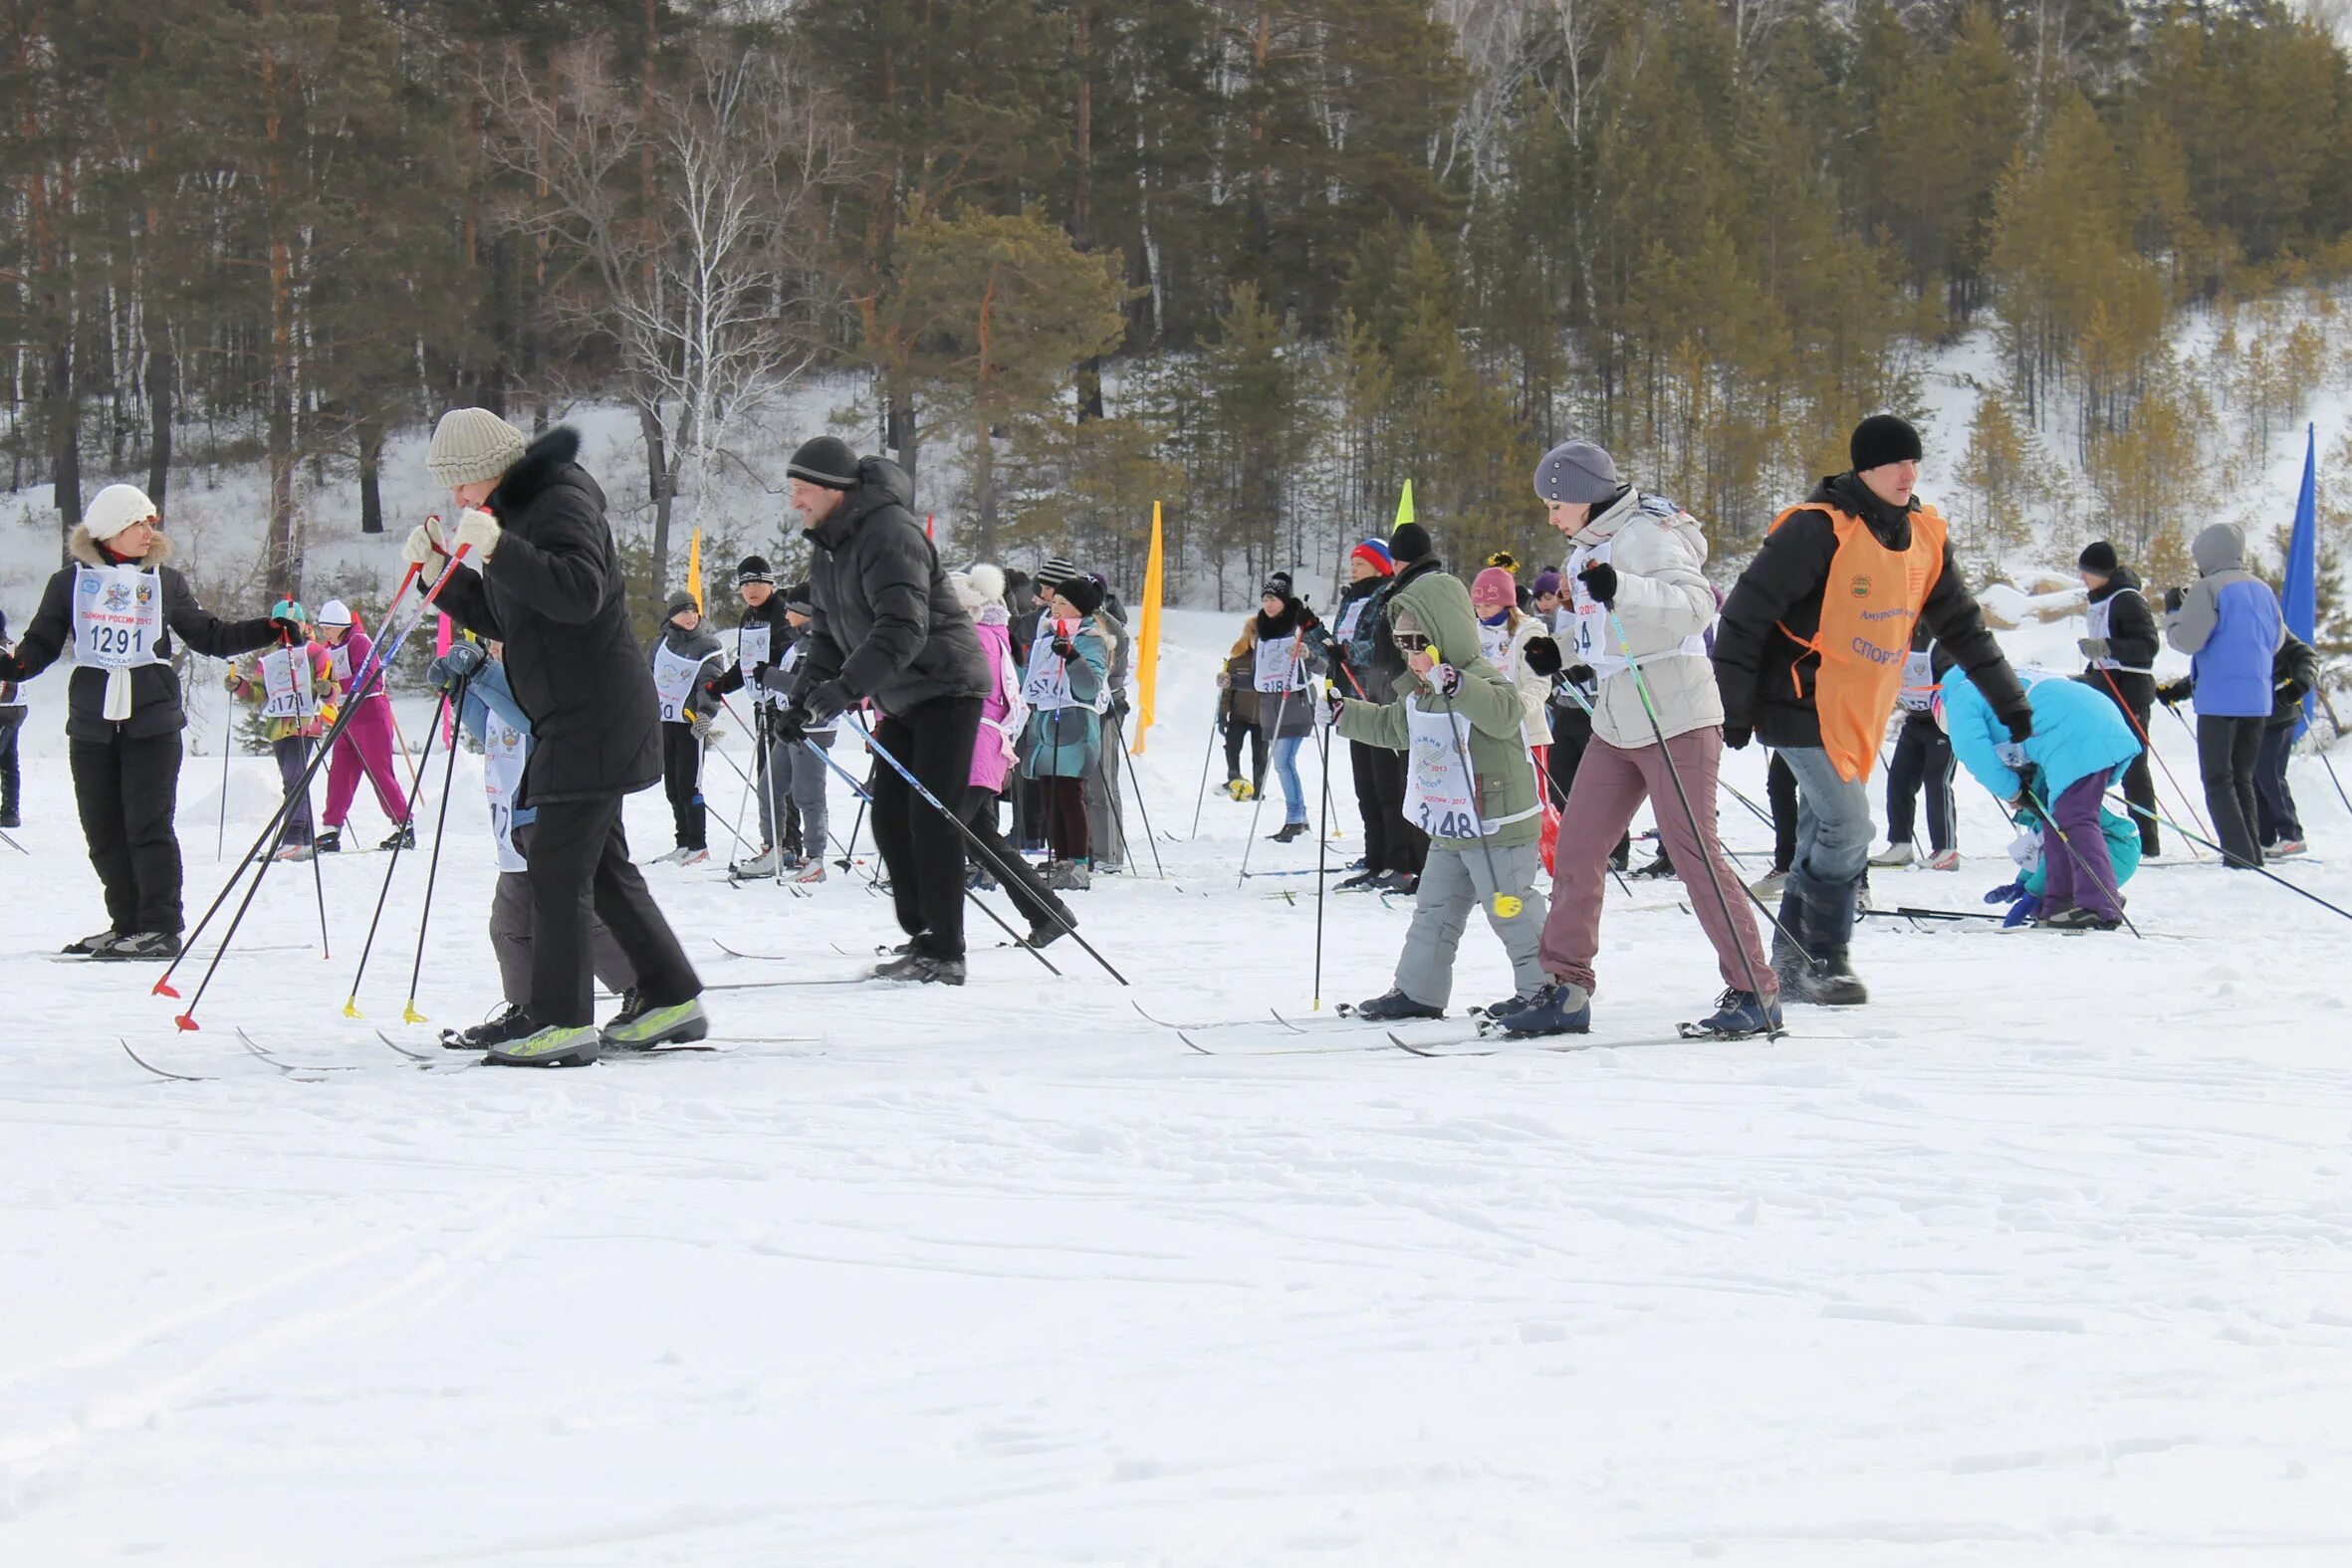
(2119,647)
(1471,788)
(12,720)
(2294,674)
(1808,656)
(367,742)
(1923,755)
(762,634)
(1107,811)
(1504,632)
(888,627)
(120,606)
(547,583)
(1284,634)
(680,660)
(295,689)
(1379,771)
(2229,622)
(2059,773)
(1415,556)
(491,718)
(802,774)
(1636,574)
(1066,689)
(1029,799)
(1003,715)
(1238,713)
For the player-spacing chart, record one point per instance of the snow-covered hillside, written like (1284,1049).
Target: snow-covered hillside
(2042,1257)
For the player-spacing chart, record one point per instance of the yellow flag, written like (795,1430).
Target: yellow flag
(1404,505)
(1147,639)
(694,566)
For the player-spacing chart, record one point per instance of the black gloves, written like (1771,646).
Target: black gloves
(1736,736)
(2292,691)
(1601,581)
(2021,724)
(1581,674)
(2173,599)
(1067,649)
(2029,788)
(2175,693)
(791,725)
(1543,656)
(823,705)
(288,627)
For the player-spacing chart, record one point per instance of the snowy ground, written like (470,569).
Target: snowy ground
(2041,1258)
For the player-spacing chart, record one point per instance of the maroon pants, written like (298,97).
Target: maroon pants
(1610,784)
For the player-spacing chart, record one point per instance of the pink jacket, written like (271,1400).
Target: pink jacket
(990,757)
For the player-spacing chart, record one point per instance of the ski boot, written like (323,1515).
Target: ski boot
(1558,1009)
(1899,853)
(510,1022)
(1737,1015)
(1944,861)
(1362,882)
(328,843)
(758,865)
(1290,830)
(557,1046)
(923,969)
(679,1023)
(141,945)
(89,945)
(1393,1006)
(402,838)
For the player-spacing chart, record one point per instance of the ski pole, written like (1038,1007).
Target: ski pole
(374,672)
(228,735)
(1069,926)
(1200,794)
(2142,731)
(13,844)
(1321,858)
(978,903)
(1907,912)
(351,1006)
(1506,906)
(1142,808)
(1714,870)
(317,877)
(432,875)
(2241,865)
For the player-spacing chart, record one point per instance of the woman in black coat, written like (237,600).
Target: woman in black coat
(547,583)
(119,606)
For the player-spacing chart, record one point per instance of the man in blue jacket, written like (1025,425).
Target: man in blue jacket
(2229,622)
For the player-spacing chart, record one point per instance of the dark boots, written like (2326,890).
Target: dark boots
(1823,919)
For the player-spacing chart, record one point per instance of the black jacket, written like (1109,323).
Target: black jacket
(554,593)
(1765,675)
(10,696)
(2294,671)
(1281,715)
(2131,639)
(888,626)
(779,637)
(1353,661)
(156,707)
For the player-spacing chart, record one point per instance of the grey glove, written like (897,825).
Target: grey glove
(706,728)
(2092,647)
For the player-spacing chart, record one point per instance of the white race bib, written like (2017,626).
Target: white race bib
(504,751)
(752,644)
(2101,616)
(1045,684)
(338,660)
(1494,644)
(286,684)
(1441,799)
(1919,680)
(118,617)
(1348,617)
(1596,639)
(1280,668)
(673,682)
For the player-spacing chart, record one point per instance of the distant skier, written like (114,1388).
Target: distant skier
(2295,675)
(2230,625)
(121,606)
(294,686)
(1923,757)
(1003,715)
(762,634)
(1066,687)
(1287,637)
(2119,651)
(11,722)
(1378,771)
(1808,657)
(368,742)
(682,660)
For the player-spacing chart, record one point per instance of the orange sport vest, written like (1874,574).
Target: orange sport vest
(1869,602)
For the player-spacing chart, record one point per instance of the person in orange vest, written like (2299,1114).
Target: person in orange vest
(1808,656)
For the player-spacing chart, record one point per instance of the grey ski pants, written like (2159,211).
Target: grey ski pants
(1453,883)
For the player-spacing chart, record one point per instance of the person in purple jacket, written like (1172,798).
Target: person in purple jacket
(2229,622)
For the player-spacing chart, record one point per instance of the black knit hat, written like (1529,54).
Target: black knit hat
(827,461)
(1882,439)
(1083,590)
(752,569)
(1410,542)
(798,599)
(1277,586)
(2098,556)
(680,602)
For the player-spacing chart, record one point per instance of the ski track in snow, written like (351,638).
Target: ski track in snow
(2049,1262)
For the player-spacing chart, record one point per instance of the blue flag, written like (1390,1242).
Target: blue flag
(2300,598)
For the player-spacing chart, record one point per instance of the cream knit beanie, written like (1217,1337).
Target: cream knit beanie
(471,445)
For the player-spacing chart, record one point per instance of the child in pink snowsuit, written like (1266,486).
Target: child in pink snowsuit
(367,741)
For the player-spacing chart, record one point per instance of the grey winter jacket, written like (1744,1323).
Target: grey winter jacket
(1663,598)
(888,627)
(156,707)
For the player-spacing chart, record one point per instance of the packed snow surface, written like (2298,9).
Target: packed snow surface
(2041,1258)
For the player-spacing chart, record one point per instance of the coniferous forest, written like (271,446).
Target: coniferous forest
(1263,260)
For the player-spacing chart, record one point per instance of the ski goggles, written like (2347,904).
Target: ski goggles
(1410,641)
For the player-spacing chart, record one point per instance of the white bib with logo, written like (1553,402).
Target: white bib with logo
(752,644)
(673,682)
(1046,685)
(1350,616)
(1595,638)
(504,751)
(1919,680)
(2101,616)
(286,684)
(1441,796)
(1280,668)
(338,661)
(118,617)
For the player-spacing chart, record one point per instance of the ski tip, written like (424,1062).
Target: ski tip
(1195,1044)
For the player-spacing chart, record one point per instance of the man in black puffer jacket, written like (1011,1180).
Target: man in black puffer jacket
(2121,650)
(888,627)
(549,585)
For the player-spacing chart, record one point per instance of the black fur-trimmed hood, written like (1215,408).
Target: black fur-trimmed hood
(542,463)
